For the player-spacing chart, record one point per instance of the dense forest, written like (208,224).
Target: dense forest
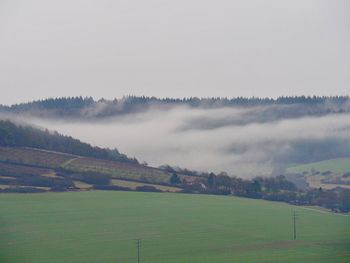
(20,135)
(87,107)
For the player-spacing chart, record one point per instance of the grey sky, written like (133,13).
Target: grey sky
(111,48)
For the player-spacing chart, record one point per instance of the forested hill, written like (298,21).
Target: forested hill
(79,107)
(26,136)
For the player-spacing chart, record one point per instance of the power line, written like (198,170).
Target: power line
(294,224)
(138,249)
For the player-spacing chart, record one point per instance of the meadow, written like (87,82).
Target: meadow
(339,165)
(101,226)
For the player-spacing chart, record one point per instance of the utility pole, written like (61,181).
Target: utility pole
(294,223)
(138,249)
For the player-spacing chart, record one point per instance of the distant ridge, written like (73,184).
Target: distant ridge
(87,107)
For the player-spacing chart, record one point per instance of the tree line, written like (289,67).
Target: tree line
(79,106)
(269,188)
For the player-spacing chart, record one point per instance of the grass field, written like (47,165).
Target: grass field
(339,165)
(102,226)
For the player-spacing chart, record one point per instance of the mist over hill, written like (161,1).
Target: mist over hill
(269,109)
(245,137)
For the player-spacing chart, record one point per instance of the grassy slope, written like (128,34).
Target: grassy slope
(340,165)
(102,227)
(117,170)
(34,157)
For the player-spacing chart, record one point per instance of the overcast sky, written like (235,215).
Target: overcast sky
(111,48)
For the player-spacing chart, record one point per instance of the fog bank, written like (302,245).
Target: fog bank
(215,139)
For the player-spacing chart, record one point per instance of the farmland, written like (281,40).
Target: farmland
(117,170)
(33,157)
(17,162)
(102,226)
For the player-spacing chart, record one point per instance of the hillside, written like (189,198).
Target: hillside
(327,174)
(162,130)
(339,165)
(29,169)
(23,135)
(35,160)
(102,226)
(38,161)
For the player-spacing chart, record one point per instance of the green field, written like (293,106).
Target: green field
(339,165)
(100,226)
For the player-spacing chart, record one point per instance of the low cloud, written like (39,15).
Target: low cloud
(216,139)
